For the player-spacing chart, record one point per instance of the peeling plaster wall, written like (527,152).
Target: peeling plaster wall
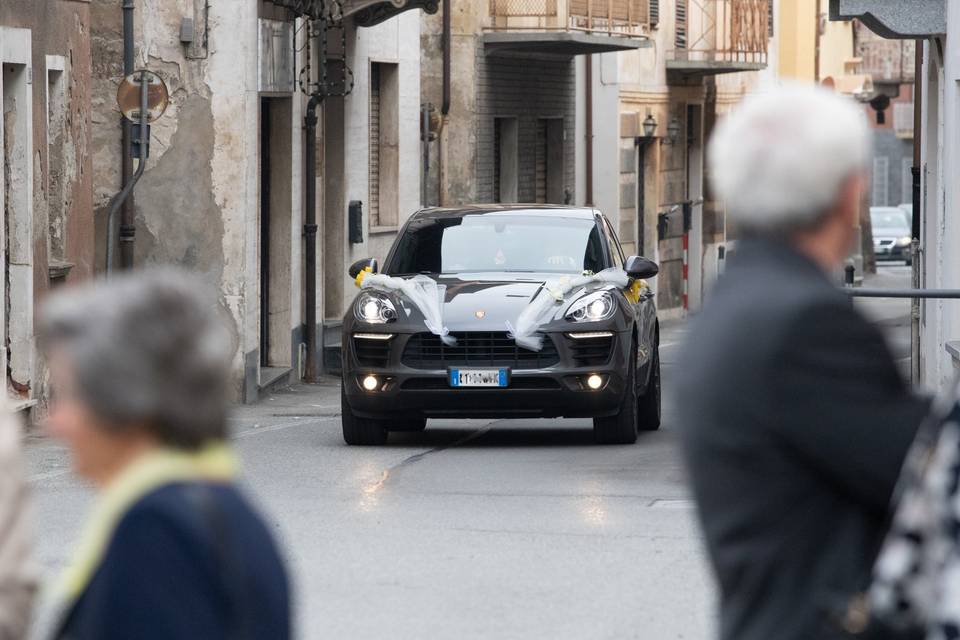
(197,204)
(59,163)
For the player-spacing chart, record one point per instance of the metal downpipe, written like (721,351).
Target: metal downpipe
(312,368)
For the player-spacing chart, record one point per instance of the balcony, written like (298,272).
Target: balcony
(720,36)
(566,27)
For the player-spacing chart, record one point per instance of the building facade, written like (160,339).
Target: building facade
(223,192)
(46,179)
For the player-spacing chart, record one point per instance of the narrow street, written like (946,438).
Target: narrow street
(503,529)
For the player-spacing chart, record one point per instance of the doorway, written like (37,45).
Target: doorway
(549,161)
(16,199)
(276,240)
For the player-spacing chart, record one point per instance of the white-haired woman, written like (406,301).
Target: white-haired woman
(173,549)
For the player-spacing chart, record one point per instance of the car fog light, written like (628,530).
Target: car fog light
(594,382)
(370,383)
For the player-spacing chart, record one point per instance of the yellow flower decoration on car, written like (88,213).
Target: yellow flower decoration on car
(635,290)
(360,276)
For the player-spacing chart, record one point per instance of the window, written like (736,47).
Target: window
(616,253)
(506,159)
(681,22)
(384,161)
(499,242)
(770,22)
(654,13)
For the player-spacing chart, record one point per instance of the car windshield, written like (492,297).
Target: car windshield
(502,242)
(891,219)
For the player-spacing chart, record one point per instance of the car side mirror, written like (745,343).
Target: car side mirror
(641,268)
(360,265)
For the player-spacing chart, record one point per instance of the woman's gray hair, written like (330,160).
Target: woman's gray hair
(780,159)
(146,349)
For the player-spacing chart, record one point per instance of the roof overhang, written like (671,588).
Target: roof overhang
(895,19)
(566,43)
(368,13)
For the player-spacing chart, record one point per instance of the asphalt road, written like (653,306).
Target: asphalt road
(480,529)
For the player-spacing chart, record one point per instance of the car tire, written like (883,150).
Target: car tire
(408,426)
(648,405)
(357,430)
(621,428)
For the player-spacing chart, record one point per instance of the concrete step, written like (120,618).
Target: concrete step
(274,378)
(332,363)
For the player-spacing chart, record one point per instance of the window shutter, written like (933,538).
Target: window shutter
(374,159)
(681,21)
(881,182)
(770,19)
(654,13)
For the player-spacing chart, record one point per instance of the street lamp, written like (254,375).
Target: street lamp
(649,130)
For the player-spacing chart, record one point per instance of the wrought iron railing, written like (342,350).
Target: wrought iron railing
(614,17)
(721,31)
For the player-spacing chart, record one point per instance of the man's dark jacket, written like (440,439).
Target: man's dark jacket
(795,424)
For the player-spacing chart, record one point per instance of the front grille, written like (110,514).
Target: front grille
(476,349)
(590,352)
(437,384)
(372,353)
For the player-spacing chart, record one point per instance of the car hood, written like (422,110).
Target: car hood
(891,232)
(486,302)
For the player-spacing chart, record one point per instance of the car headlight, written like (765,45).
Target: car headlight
(592,307)
(904,241)
(374,309)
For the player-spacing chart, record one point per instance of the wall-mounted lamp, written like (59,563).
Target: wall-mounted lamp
(673,131)
(649,131)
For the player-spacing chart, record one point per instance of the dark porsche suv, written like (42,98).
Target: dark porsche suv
(598,351)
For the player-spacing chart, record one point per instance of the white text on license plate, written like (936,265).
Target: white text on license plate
(478,377)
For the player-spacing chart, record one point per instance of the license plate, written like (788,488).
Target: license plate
(478,377)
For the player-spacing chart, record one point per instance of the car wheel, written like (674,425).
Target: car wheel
(357,430)
(648,405)
(416,424)
(621,428)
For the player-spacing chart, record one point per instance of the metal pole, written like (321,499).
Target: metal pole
(127,222)
(310,233)
(128,189)
(917,204)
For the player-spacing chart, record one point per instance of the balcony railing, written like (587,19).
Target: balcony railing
(604,17)
(720,36)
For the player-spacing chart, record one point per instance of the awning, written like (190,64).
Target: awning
(894,19)
(367,13)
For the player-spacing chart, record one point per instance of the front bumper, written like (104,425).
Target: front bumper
(891,252)
(550,392)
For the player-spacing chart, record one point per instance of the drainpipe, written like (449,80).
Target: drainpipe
(445,44)
(589,129)
(127,222)
(310,233)
(917,203)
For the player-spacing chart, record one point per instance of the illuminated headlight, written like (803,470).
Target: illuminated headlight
(592,307)
(904,241)
(374,309)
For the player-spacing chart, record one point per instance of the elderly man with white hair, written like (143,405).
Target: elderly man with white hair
(794,419)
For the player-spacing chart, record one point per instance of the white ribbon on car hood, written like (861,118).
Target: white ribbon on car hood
(543,306)
(423,292)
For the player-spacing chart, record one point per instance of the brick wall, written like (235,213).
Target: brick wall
(527,88)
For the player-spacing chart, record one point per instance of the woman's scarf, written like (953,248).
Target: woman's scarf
(151,471)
